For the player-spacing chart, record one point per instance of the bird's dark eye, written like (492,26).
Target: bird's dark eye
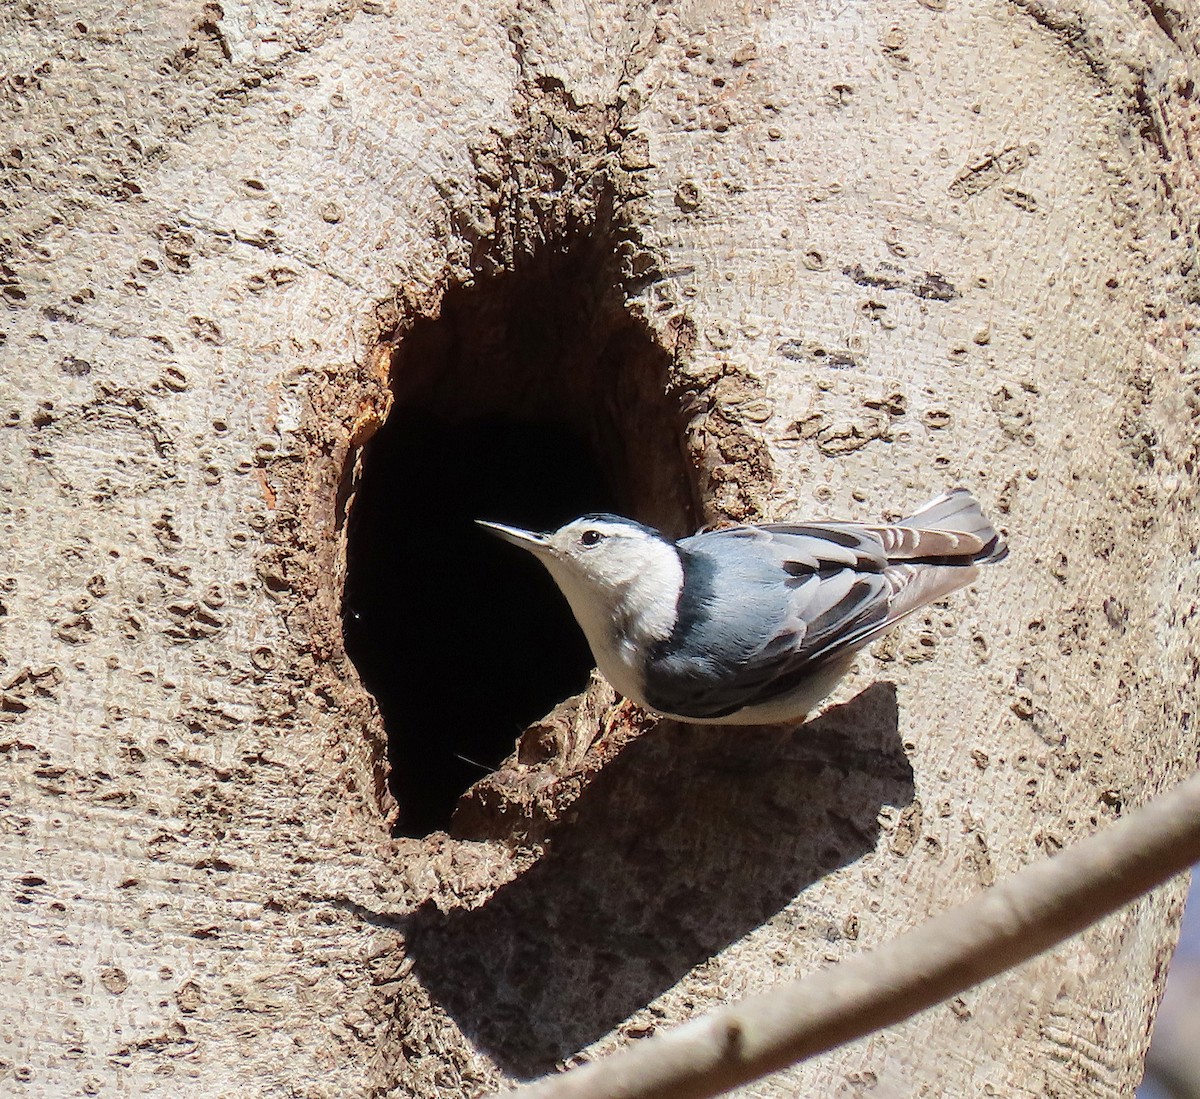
(591,537)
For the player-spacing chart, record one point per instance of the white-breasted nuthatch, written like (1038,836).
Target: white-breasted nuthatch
(752,624)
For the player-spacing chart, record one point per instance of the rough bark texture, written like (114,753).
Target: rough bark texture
(837,257)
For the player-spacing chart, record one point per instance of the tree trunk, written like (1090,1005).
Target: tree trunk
(294,291)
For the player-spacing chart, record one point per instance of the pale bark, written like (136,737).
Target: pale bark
(800,260)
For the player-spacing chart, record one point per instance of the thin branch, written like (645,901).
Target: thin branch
(1030,912)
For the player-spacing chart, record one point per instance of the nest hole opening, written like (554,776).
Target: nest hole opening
(534,396)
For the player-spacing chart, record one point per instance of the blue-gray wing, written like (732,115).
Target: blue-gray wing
(762,608)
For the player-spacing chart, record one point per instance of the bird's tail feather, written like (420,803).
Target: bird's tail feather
(932,553)
(915,583)
(959,512)
(913,587)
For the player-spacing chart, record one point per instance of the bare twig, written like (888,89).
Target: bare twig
(1030,912)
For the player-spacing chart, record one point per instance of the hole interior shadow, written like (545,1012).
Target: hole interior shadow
(532,397)
(691,838)
(462,640)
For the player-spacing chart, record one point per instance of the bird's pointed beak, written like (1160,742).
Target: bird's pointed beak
(526,539)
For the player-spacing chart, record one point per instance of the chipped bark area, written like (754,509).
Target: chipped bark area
(842,260)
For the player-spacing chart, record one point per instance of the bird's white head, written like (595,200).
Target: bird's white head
(621,578)
(607,554)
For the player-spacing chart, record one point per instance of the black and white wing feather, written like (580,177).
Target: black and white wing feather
(738,644)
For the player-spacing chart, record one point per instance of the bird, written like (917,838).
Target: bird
(752,624)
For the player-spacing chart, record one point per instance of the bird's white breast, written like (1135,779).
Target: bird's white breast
(624,609)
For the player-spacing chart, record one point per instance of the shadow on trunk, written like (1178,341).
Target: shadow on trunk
(690,839)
